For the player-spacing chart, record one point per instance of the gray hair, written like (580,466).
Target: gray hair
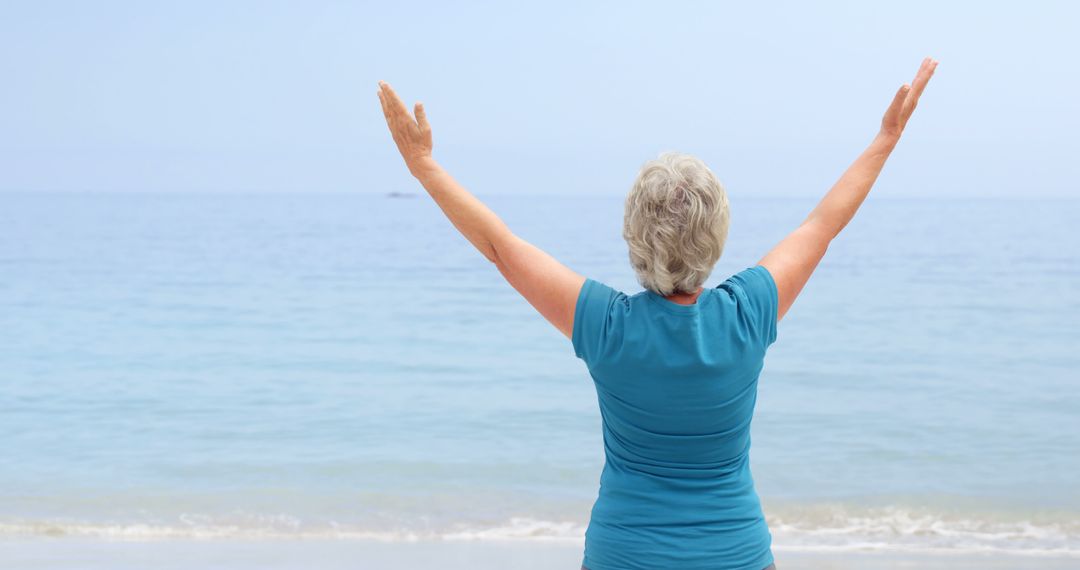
(676,223)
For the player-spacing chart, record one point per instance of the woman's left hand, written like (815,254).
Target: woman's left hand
(413,136)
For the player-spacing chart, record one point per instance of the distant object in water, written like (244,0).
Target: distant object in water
(396,194)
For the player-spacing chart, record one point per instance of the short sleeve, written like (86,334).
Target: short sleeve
(592,319)
(761,300)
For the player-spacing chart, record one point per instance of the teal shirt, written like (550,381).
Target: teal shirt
(677,386)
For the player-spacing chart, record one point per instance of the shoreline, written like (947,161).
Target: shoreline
(331,554)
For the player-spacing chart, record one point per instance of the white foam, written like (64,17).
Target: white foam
(895,529)
(816,529)
(283,527)
(523,528)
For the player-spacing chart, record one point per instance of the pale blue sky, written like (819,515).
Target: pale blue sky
(555,97)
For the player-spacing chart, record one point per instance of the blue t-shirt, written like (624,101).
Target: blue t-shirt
(677,386)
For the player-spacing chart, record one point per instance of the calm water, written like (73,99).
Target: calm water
(332,365)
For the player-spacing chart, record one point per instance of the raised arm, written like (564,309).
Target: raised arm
(794,259)
(549,286)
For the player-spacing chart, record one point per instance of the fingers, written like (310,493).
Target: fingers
(923,76)
(382,103)
(421,117)
(391,119)
(926,70)
(394,103)
(893,121)
(898,99)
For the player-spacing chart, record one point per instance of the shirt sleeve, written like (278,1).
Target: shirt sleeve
(760,300)
(593,320)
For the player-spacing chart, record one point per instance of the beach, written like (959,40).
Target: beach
(261,310)
(64,553)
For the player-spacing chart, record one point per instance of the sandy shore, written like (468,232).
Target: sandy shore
(96,554)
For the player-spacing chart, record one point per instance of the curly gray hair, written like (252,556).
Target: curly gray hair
(676,223)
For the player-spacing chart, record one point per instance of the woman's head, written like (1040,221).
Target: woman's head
(676,223)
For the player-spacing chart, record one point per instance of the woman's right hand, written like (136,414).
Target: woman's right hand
(903,104)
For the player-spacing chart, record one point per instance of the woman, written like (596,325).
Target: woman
(675,366)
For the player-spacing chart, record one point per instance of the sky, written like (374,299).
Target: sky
(549,97)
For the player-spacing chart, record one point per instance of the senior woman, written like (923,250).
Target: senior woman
(675,366)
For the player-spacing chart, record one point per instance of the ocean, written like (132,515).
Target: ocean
(282,366)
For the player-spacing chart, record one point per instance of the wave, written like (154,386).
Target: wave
(834,528)
(821,528)
(286,527)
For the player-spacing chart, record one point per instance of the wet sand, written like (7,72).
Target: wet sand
(97,554)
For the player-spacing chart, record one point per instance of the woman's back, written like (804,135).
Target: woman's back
(676,385)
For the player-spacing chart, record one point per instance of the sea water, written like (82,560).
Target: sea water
(333,365)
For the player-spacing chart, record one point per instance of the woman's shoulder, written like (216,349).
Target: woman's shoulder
(755,277)
(753,291)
